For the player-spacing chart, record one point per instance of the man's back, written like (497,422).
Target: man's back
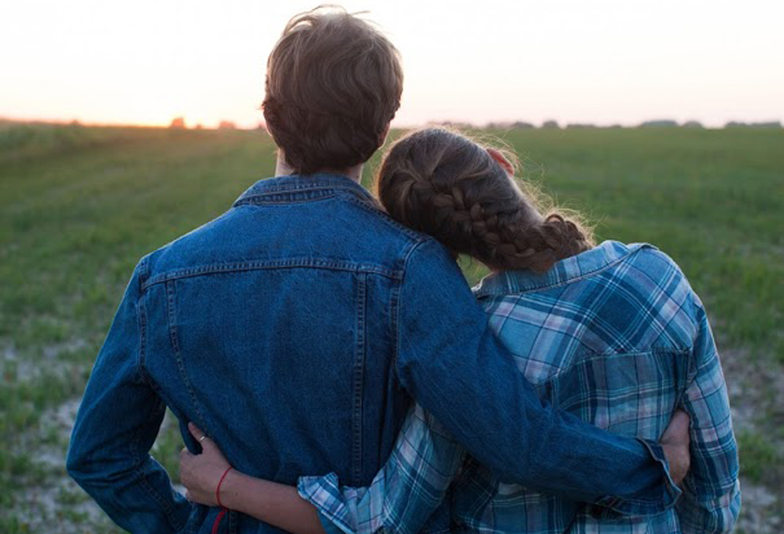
(272,328)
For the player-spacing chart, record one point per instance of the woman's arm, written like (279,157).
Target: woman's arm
(276,504)
(400,499)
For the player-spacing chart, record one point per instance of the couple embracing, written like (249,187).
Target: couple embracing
(332,371)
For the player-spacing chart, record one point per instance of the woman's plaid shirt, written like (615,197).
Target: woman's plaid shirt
(615,336)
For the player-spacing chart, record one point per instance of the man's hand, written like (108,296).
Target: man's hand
(200,473)
(675,443)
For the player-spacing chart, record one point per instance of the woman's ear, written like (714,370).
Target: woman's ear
(502,161)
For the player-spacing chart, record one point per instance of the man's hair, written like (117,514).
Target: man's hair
(333,85)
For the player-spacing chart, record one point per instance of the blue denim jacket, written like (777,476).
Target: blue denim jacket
(294,330)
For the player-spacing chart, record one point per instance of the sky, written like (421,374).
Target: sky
(597,61)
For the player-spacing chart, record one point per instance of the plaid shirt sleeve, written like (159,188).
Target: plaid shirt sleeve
(711,499)
(403,495)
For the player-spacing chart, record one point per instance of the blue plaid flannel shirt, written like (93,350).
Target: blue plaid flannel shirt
(614,335)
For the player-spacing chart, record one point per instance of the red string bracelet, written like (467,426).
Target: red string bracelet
(217,489)
(223,511)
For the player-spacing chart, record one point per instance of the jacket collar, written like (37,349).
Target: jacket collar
(568,270)
(296,183)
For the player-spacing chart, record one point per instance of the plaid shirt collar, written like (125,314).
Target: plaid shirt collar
(567,270)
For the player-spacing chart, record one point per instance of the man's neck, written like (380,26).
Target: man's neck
(284,169)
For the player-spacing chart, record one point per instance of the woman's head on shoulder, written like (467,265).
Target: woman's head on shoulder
(464,193)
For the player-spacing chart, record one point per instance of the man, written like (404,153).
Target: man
(295,328)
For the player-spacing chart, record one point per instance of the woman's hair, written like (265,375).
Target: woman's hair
(446,185)
(333,85)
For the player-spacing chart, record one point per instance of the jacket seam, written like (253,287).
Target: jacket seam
(299,187)
(354,188)
(141,316)
(173,338)
(358,380)
(258,200)
(309,263)
(141,313)
(398,299)
(138,464)
(394,307)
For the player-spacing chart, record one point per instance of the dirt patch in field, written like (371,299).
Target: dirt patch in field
(52,502)
(51,361)
(761,513)
(55,503)
(756,390)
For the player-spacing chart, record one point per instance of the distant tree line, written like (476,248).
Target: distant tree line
(771,124)
(659,123)
(179,123)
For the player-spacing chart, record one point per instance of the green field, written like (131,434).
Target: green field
(79,206)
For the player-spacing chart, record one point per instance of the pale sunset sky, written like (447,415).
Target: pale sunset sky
(598,61)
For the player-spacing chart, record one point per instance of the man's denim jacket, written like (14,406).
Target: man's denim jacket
(294,329)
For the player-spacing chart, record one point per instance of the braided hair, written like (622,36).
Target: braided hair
(446,185)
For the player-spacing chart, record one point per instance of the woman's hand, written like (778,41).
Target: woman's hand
(273,503)
(675,443)
(200,473)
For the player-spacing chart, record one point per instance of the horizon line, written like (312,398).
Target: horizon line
(490,124)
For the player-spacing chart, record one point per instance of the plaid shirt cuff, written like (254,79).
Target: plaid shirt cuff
(328,526)
(324,493)
(348,510)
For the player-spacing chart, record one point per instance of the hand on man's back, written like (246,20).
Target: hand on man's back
(675,441)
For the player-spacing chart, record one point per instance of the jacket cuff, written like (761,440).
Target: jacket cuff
(613,507)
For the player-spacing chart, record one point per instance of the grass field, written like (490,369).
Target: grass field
(79,206)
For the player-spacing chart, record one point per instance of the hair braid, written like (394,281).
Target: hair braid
(540,245)
(443,184)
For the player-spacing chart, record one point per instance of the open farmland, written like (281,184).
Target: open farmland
(79,206)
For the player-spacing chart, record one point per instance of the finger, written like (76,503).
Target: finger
(204,440)
(678,428)
(196,432)
(681,422)
(682,417)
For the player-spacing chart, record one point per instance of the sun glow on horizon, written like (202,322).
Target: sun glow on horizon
(599,62)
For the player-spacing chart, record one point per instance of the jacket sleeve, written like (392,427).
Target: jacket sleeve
(450,362)
(711,497)
(117,423)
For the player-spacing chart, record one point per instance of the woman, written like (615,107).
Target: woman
(612,333)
